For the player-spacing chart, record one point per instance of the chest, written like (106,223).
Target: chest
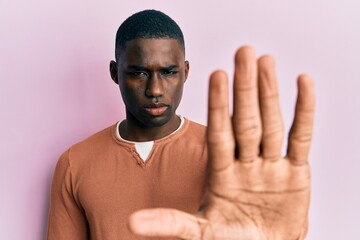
(116,186)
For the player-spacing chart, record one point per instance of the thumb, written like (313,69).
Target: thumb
(163,222)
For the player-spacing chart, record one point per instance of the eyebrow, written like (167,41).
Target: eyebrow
(137,68)
(169,68)
(142,68)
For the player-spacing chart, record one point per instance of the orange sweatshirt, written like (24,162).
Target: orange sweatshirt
(100,181)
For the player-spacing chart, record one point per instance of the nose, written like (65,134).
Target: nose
(154,87)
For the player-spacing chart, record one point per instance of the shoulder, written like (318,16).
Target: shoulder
(195,128)
(194,132)
(96,140)
(92,146)
(191,141)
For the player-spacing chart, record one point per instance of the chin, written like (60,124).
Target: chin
(156,121)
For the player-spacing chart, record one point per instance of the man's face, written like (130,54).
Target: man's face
(151,74)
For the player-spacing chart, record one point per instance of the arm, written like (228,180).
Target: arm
(66,218)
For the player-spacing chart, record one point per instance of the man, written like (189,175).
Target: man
(157,159)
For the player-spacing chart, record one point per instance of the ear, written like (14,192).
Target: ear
(187,68)
(114,71)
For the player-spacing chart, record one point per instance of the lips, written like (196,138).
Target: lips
(156,109)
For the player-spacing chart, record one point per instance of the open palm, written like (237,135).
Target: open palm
(253,192)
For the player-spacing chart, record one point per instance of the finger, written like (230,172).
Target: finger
(301,130)
(166,223)
(246,119)
(304,230)
(272,123)
(220,135)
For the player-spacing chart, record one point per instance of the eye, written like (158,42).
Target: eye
(137,74)
(169,72)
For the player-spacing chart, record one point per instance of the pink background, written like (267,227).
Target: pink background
(55,89)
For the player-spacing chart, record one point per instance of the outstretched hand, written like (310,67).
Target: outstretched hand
(253,192)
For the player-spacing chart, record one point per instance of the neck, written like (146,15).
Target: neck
(135,131)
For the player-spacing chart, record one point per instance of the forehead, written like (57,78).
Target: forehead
(152,51)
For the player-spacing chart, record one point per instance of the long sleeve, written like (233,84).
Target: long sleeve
(67,219)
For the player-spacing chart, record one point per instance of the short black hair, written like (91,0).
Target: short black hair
(147,24)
